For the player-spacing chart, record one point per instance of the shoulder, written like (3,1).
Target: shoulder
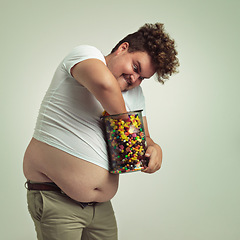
(80,54)
(84,52)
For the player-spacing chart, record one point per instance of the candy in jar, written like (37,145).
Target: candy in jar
(126,142)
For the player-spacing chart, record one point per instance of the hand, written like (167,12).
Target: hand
(154,152)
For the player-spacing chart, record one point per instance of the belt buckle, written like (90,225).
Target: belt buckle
(90,203)
(85,204)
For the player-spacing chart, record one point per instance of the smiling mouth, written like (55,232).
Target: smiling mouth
(126,78)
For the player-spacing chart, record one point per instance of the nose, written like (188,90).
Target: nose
(134,77)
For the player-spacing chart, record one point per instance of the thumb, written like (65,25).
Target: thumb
(148,152)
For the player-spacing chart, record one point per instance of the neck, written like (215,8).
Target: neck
(108,57)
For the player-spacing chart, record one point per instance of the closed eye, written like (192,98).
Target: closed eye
(136,69)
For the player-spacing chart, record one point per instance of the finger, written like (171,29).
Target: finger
(152,167)
(148,152)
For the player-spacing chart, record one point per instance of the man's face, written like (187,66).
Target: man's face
(130,68)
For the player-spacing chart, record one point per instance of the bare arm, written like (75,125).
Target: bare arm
(97,78)
(154,151)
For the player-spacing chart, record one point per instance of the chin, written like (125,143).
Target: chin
(123,87)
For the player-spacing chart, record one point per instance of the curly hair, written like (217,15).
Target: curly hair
(153,39)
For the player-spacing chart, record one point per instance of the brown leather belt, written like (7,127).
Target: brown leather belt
(44,186)
(50,186)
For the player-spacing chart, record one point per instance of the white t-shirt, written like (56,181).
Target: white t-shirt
(69,116)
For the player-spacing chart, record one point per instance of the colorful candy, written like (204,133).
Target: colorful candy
(126,142)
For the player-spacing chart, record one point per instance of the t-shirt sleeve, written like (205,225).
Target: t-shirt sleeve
(141,101)
(135,100)
(81,53)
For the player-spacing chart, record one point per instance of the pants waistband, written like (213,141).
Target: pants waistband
(51,186)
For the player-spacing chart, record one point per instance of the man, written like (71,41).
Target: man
(66,162)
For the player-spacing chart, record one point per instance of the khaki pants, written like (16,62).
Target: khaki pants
(58,217)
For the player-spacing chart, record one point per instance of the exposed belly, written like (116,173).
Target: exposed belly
(79,179)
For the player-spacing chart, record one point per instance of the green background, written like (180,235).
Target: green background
(194,117)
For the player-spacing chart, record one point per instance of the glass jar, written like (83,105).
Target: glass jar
(126,142)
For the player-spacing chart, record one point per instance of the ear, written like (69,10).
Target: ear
(123,47)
